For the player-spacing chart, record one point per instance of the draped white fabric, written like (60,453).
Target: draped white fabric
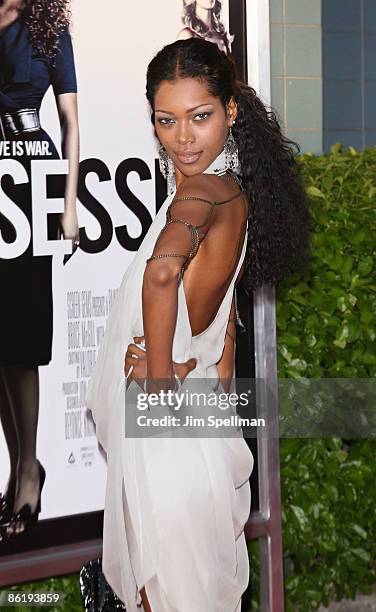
(175,508)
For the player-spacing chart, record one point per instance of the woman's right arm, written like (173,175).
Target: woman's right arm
(177,244)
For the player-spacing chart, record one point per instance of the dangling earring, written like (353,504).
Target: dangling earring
(167,169)
(232,154)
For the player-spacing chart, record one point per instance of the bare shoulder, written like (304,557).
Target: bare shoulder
(184,34)
(207,186)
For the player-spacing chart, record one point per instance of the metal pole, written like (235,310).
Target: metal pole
(271,552)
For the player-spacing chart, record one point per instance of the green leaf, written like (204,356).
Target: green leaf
(366,313)
(350,494)
(327,545)
(341,455)
(366,266)
(361,554)
(300,516)
(311,340)
(341,339)
(331,491)
(359,530)
(298,364)
(335,148)
(284,352)
(290,340)
(359,236)
(315,192)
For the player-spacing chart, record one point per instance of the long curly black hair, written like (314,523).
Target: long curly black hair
(279,221)
(46,21)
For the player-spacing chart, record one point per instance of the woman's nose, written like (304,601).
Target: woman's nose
(184,134)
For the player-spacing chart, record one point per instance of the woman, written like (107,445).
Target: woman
(202,19)
(35,52)
(176,507)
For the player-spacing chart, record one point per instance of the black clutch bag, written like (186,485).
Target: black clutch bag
(96,593)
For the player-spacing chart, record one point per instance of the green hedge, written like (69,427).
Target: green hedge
(326,328)
(326,320)
(326,324)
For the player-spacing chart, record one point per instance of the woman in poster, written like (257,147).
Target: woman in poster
(176,507)
(202,19)
(35,52)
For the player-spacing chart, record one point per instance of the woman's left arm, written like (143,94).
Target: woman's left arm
(68,115)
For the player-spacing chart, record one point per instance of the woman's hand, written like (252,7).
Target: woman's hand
(69,224)
(135,359)
(139,363)
(183,369)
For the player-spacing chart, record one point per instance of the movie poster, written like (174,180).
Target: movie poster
(54,303)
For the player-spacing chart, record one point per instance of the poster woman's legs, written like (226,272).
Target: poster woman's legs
(22,389)
(11,438)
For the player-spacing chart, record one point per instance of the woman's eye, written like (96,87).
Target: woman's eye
(165,121)
(202,116)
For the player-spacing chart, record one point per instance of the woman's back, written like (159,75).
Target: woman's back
(209,274)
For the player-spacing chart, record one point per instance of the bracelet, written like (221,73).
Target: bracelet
(178,384)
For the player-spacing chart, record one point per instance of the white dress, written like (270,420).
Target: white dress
(175,508)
